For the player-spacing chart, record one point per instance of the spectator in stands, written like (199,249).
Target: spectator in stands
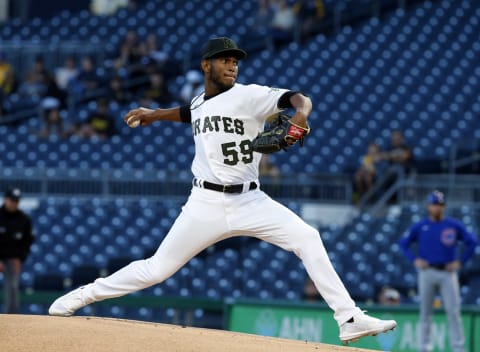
(1,104)
(39,70)
(139,58)
(100,123)
(399,154)
(16,237)
(263,16)
(192,87)
(122,60)
(437,259)
(53,91)
(156,92)
(53,123)
(258,35)
(152,51)
(283,22)
(389,296)
(154,59)
(7,80)
(107,7)
(30,88)
(400,159)
(117,92)
(130,51)
(87,79)
(310,14)
(36,81)
(7,76)
(65,74)
(366,174)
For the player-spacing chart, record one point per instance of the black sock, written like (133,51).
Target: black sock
(350,320)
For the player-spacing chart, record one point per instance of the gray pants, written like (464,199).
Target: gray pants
(10,287)
(429,281)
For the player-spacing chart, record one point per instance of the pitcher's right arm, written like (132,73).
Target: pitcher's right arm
(144,116)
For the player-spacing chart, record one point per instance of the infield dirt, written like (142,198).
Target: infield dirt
(22,333)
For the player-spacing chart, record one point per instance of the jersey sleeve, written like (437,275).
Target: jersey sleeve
(284,101)
(469,240)
(185,113)
(264,101)
(406,241)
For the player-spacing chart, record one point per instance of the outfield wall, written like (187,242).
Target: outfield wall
(313,322)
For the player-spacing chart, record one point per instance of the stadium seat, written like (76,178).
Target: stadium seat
(83,275)
(49,282)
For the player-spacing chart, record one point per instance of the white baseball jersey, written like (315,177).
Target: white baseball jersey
(223,127)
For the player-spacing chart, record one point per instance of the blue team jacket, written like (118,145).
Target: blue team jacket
(438,241)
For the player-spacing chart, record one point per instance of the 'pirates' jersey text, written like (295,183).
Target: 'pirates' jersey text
(223,127)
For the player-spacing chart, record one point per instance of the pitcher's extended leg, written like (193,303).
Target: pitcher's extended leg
(201,223)
(272,222)
(280,226)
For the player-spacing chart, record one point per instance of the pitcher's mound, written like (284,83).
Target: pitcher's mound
(44,333)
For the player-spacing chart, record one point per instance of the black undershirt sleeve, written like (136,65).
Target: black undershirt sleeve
(284,101)
(185,114)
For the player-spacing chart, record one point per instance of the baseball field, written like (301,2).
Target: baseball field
(51,334)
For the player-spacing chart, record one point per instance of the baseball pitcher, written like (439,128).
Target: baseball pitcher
(227,123)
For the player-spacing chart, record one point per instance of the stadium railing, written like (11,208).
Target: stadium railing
(465,156)
(22,54)
(38,182)
(459,189)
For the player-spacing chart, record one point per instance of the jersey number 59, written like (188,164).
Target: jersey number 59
(233,157)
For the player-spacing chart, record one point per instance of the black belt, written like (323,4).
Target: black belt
(223,188)
(438,266)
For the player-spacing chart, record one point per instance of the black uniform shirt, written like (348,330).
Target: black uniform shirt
(15,234)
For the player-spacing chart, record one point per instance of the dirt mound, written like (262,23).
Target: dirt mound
(44,333)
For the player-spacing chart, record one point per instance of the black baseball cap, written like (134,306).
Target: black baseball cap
(13,193)
(222,46)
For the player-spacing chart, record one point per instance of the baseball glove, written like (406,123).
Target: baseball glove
(281,134)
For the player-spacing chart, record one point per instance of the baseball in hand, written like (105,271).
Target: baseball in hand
(134,124)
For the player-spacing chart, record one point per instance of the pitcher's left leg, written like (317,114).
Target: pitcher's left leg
(353,323)
(260,216)
(266,219)
(450,291)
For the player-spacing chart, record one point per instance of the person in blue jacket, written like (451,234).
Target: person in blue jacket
(437,260)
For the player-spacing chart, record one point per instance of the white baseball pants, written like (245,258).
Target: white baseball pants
(210,216)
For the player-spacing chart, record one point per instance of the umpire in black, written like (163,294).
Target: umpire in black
(15,240)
